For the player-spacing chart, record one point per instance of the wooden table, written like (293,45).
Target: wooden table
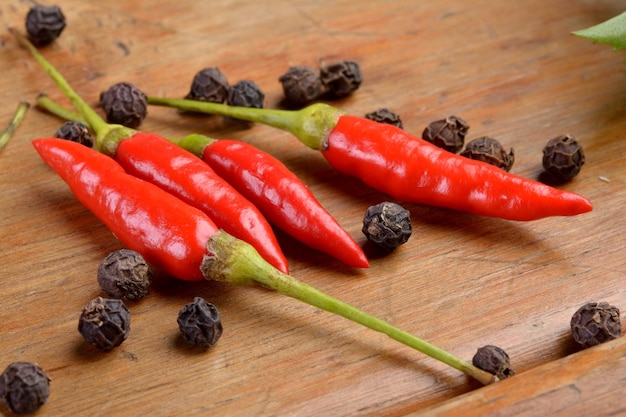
(512,70)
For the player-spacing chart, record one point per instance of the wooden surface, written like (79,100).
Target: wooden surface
(511,69)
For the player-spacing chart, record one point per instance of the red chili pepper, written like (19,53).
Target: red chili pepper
(280,195)
(152,158)
(406,167)
(416,171)
(170,234)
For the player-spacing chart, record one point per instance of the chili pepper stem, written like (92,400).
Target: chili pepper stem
(19,114)
(237,263)
(107,135)
(311,124)
(46,103)
(194,143)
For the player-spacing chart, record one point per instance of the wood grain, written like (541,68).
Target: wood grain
(512,70)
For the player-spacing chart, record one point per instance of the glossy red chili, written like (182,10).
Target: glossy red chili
(169,233)
(153,158)
(389,159)
(280,195)
(406,167)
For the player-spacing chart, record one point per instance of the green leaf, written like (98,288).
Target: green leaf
(611,32)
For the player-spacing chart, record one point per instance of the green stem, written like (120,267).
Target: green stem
(46,103)
(19,114)
(311,125)
(107,135)
(238,263)
(194,143)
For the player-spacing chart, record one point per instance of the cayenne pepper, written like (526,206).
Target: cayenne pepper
(168,233)
(405,167)
(153,158)
(183,242)
(260,177)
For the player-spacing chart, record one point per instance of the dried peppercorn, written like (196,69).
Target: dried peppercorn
(448,133)
(341,78)
(384,115)
(245,93)
(24,387)
(44,24)
(595,323)
(489,150)
(200,323)
(76,132)
(210,85)
(125,274)
(563,157)
(493,360)
(124,104)
(105,323)
(387,225)
(301,84)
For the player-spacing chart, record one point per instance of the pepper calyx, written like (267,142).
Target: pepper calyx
(194,143)
(109,137)
(231,260)
(315,123)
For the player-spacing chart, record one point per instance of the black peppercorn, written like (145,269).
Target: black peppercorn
(76,132)
(105,323)
(301,84)
(44,24)
(199,323)
(494,360)
(448,133)
(386,116)
(341,78)
(387,225)
(125,274)
(125,104)
(24,387)
(245,93)
(489,150)
(563,157)
(595,323)
(210,85)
